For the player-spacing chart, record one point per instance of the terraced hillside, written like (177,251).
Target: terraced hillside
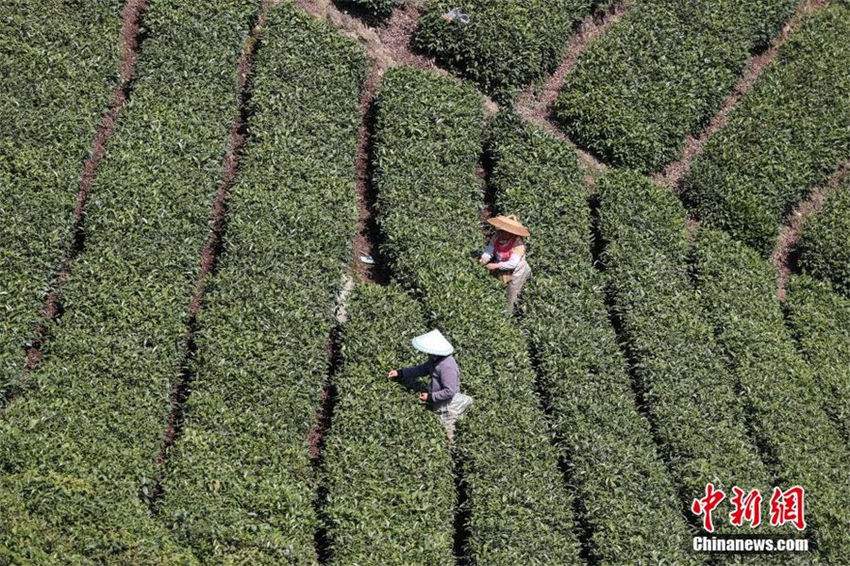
(223,222)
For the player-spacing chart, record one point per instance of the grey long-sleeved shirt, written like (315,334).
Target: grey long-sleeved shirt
(445,377)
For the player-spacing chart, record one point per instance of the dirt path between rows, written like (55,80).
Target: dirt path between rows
(386,46)
(534,104)
(671,176)
(212,246)
(783,257)
(129,38)
(367,236)
(323,418)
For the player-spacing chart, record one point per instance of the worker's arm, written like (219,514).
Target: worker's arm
(408,377)
(487,254)
(413,372)
(449,384)
(513,261)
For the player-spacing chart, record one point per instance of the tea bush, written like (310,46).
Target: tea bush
(691,396)
(240,484)
(58,70)
(391,492)
(820,322)
(786,135)
(738,290)
(79,444)
(427,142)
(632,509)
(824,250)
(659,74)
(506,44)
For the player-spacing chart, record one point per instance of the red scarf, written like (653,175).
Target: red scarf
(504,248)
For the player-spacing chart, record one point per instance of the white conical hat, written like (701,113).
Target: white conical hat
(433,343)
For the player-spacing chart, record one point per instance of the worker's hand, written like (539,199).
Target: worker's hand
(491,266)
(423,397)
(483,261)
(393,374)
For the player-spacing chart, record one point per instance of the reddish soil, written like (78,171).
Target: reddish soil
(672,175)
(365,241)
(230,166)
(324,416)
(789,234)
(534,104)
(212,246)
(388,45)
(131,18)
(396,36)
(316,436)
(350,27)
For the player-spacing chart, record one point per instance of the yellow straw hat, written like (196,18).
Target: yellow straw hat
(509,224)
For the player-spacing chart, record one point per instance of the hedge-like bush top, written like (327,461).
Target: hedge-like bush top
(659,74)
(824,249)
(786,136)
(506,44)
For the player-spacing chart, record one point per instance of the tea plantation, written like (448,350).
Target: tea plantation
(208,268)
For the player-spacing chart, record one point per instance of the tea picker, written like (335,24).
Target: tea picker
(442,394)
(504,255)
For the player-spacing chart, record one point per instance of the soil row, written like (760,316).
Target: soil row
(130,40)
(784,257)
(671,176)
(534,104)
(212,246)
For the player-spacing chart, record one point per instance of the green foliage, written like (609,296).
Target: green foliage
(78,446)
(391,493)
(506,44)
(820,322)
(690,395)
(427,143)
(632,510)
(738,291)
(824,248)
(786,135)
(57,72)
(240,483)
(660,73)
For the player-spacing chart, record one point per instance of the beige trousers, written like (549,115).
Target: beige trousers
(515,286)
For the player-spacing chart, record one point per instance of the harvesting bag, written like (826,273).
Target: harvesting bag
(458,405)
(453,411)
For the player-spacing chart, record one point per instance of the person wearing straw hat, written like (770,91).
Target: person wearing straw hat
(443,391)
(504,255)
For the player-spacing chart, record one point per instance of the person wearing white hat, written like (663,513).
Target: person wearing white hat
(443,391)
(504,255)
